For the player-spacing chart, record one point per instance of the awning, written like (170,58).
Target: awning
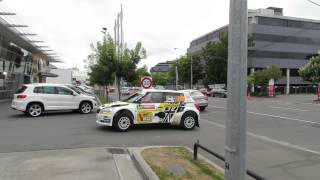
(48,75)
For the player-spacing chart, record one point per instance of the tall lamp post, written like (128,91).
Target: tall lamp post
(191,71)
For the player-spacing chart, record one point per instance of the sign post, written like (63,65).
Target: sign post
(146,82)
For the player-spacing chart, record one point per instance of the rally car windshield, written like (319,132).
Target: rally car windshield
(133,98)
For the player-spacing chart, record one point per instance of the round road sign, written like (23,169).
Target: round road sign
(146,82)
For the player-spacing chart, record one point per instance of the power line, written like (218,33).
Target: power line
(314,2)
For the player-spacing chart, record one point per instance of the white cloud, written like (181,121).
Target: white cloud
(69,26)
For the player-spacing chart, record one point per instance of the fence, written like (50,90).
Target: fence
(220,157)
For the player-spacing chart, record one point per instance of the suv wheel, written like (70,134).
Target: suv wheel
(85,107)
(34,109)
(122,122)
(188,121)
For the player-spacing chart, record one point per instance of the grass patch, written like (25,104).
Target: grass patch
(160,158)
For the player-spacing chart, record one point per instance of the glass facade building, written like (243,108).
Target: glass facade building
(286,42)
(21,61)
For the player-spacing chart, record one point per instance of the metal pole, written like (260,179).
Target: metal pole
(176,77)
(235,143)
(191,78)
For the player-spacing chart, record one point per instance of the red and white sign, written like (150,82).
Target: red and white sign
(271,89)
(318,92)
(146,82)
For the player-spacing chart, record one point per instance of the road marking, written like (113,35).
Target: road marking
(265,138)
(275,116)
(286,108)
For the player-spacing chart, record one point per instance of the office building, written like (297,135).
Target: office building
(287,42)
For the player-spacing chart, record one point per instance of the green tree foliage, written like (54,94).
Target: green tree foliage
(262,77)
(140,72)
(161,78)
(215,55)
(184,69)
(311,71)
(104,63)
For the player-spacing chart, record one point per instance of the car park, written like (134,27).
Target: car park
(35,99)
(198,97)
(125,91)
(217,90)
(151,107)
(87,89)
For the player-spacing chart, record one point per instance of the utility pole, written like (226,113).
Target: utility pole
(119,44)
(177,81)
(235,143)
(191,72)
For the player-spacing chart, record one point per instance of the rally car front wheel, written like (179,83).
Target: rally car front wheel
(122,122)
(188,121)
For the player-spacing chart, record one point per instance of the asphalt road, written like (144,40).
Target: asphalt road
(283,134)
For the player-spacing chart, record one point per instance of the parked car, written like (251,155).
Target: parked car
(125,91)
(198,97)
(149,107)
(204,91)
(160,87)
(34,99)
(87,89)
(218,92)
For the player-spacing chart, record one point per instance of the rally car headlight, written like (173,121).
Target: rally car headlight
(106,110)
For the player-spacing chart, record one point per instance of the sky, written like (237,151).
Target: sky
(70,26)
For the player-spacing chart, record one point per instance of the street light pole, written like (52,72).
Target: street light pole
(191,71)
(177,81)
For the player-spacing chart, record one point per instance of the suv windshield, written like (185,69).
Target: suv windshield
(133,98)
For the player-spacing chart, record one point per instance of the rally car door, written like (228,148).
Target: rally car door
(148,108)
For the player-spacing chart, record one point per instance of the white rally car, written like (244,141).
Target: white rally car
(150,107)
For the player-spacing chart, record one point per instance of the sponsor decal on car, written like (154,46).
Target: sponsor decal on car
(146,106)
(145,117)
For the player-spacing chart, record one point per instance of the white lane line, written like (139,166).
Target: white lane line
(265,138)
(285,118)
(275,116)
(286,108)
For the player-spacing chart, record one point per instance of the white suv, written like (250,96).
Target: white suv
(34,99)
(149,107)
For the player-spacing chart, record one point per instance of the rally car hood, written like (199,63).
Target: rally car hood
(115,104)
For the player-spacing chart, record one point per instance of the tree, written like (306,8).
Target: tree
(104,62)
(140,72)
(215,55)
(183,64)
(311,71)
(161,78)
(263,77)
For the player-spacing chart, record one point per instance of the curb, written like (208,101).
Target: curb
(145,170)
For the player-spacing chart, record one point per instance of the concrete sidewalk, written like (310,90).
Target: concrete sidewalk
(68,164)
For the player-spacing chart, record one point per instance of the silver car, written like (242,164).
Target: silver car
(198,97)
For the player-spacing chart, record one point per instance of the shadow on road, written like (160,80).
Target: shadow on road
(50,114)
(146,127)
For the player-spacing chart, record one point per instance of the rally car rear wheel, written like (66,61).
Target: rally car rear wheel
(188,121)
(122,122)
